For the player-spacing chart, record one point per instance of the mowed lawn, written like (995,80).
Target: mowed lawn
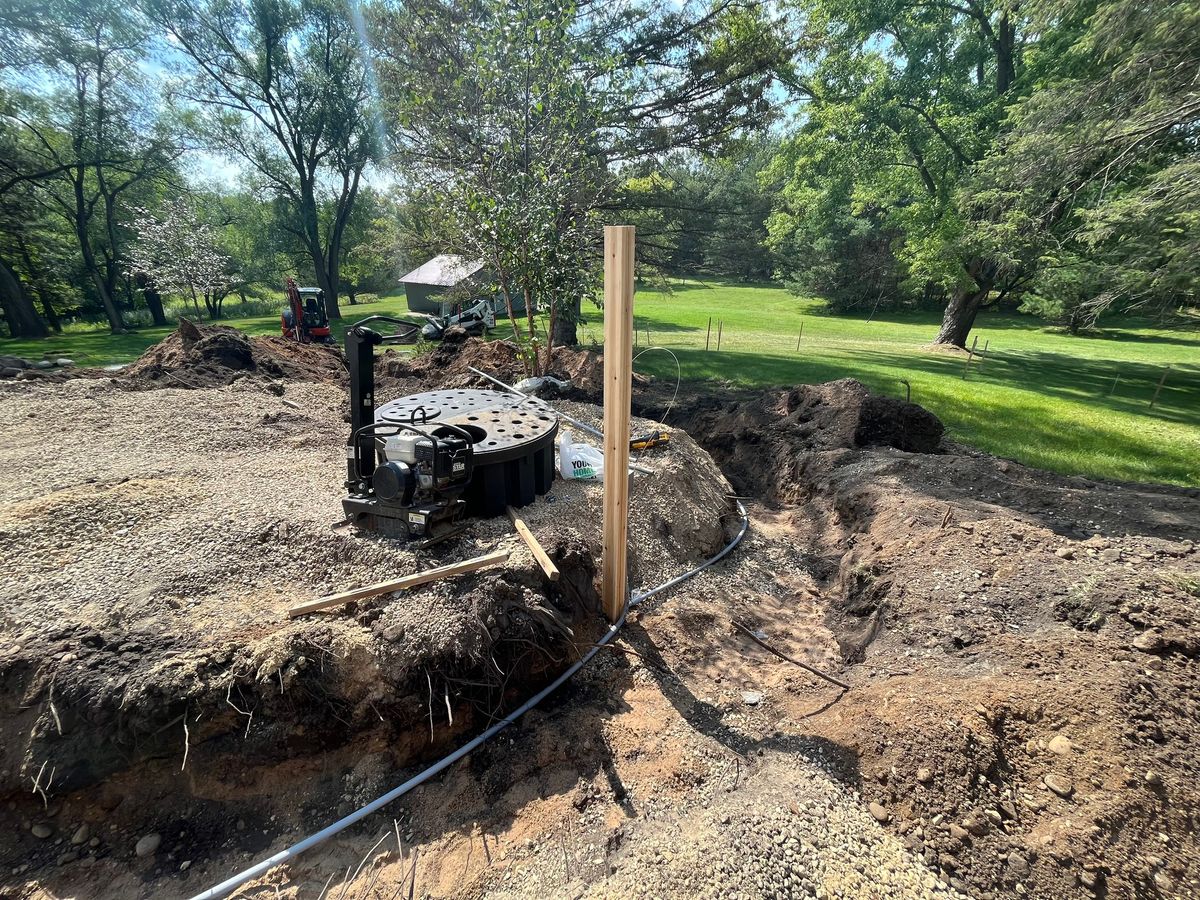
(1039,395)
(1077,405)
(97,346)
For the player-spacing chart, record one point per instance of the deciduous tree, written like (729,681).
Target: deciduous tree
(283,87)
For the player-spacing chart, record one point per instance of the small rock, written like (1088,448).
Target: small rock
(1018,865)
(882,816)
(81,835)
(1164,882)
(185,865)
(64,361)
(752,698)
(393,633)
(147,845)
(42,830)
(959,833)
(924,775)
(1060,745)
(1059,784)
(1149,642)
(976,824)
(1153,778)
(1112,554)
(1064,553)
(68,857)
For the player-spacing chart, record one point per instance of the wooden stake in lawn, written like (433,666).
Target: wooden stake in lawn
(618,375)
(720,328)
(1161,381)
(708,334)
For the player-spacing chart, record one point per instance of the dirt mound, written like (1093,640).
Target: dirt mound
(212,355)
(762,440)
(448,364)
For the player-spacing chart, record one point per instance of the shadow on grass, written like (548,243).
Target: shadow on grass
(702,283)
(641,323)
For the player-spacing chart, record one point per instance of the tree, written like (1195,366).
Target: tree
(703,213)
(499,149)
(1095,188)
(370,258)
(19,174)
(87,120)
(282,86)
(902,99)
(512,118)
(177,253)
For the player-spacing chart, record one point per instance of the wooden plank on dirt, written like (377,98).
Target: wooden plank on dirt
(543,559)
(398,584)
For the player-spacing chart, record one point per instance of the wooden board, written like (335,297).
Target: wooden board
(398,584)
(618,373)
(534,546)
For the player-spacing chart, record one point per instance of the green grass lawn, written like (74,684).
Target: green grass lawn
(97,346)
(1037,396)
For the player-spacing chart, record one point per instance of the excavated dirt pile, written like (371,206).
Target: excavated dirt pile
(198,356)
(448,365)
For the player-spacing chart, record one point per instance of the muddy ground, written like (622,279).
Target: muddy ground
(1021,649)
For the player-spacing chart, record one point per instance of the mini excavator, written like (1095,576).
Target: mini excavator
(304,319)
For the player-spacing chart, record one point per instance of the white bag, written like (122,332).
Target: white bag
(578,461)
(533,385)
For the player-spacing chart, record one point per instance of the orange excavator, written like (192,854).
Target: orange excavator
(304,318)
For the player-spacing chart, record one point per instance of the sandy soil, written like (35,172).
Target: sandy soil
(1021,649)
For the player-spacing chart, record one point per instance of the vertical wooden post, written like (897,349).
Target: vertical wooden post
(1154,399)
(801,328)
(618,373)
(1116,378)
(708,334)
(720,328)
(798,340)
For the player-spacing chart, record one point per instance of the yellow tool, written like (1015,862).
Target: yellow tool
(650,441)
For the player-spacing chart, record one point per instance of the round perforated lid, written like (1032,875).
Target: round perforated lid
(501,425)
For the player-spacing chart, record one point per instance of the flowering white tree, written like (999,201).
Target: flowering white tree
(177,253)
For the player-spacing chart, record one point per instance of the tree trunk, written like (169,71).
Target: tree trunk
(90,265)
(22,318)
(959,317)
(1006,64)
(565,331)
(154,303)
(965,303)
(47,306)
